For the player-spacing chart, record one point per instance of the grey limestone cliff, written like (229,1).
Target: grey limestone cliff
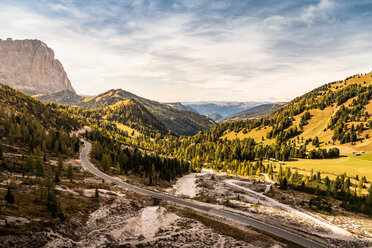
(30,66)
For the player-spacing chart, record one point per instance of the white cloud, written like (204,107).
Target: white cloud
(321,12)
(180,57)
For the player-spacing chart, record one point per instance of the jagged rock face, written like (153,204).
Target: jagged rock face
(30,66)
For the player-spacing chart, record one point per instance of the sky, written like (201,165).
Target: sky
(196,50)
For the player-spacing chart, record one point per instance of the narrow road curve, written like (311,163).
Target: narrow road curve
(224,213)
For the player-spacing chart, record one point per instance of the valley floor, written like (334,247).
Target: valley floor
(289,208)
(112,216)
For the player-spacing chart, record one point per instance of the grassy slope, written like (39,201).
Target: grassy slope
(350,164)
(128,129)
(319,121)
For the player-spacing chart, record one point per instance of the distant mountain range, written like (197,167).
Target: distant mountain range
(259,111)
(217,110)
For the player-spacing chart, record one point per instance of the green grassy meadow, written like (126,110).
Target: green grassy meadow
(351,165)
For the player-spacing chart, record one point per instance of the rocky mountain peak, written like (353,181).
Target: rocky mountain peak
(30,66)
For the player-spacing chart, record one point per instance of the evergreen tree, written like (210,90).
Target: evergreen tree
(52,203)
(70,173)
(39,167)
(370,195)
(60,164)
(56,177)
(9,198)
(152,174)
(106,162)
(284,184)
(30,163)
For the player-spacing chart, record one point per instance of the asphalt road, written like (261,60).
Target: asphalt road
(275,230)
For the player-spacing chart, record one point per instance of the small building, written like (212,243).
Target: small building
(362,152)
(281,163)
(357,154)
(272,159)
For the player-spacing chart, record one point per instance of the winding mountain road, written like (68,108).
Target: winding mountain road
(224,213)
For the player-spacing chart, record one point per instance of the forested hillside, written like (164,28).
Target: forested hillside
(148,167)
(335,114)
(32,136)
(128,118)
(26,121)
(178,121)
(39,167)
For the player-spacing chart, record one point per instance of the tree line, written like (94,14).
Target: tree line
(116,158)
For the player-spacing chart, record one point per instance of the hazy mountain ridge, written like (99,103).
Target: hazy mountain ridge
(180,106)
(255,112)
(215,116)
(30,66)
(222,108)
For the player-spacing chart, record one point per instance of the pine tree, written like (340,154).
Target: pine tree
(370,195)
(39,168)
(284,184)
(280,173)
(56,177)
(45,158)
(360,187)
(9,198)
(106,162)
(30,163)
(152,174)
(52,203)
(70,173)
(117,168)
(60,163)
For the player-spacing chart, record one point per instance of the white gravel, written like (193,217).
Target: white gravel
(274,203)
(186,185)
